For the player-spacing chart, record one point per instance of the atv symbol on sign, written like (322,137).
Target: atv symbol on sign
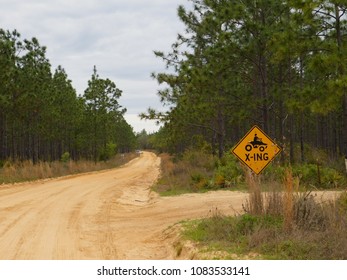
(256,143)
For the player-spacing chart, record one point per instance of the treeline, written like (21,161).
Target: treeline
(43,118)
(281,65)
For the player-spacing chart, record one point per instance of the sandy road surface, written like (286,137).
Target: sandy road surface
(103,215)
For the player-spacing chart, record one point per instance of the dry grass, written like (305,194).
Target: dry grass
(310,228)
(27,171)
(190,173)
(288,201)
(317,231)
(256,202)
(279,224)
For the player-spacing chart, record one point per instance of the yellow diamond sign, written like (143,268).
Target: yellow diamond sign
(256,150)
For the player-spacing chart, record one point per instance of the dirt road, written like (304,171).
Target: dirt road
(102,215)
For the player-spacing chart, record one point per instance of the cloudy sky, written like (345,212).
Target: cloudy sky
(118,36)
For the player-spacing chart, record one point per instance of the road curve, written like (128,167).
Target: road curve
(69,217)
(101,215)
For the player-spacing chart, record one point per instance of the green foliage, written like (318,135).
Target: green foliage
(308,176)
(190,172)
(319,176)
(246,224)
(198,171)
(143,140)
(108,152)
(41,115)
(103,114)
(306,173)
(278,64)
(65,157)
(229,233)
(199,159)
(264,236)
(274,172)
(228,172)
(216,228)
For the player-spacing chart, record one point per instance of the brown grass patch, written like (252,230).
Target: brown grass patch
(27,171)
(189,173)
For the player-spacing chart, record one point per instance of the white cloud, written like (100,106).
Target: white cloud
(134,120)
(118,36)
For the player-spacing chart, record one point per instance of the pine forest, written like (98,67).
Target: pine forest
(42,117)
(281,65)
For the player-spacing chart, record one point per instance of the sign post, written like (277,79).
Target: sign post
(256,150)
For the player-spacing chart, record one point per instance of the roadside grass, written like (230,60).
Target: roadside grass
(197,171)
(282,218)
(13,172)
(188,174)
(309,230)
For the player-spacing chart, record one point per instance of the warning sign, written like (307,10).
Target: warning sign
(256,150)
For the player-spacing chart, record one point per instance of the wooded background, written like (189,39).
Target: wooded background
(41,115)
(278,64)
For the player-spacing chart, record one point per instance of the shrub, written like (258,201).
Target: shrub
(199,181)
(331,178)
(274,172)
(198,159)
(309,214)
(65,157)
(189,172)
(319,176)
(219,180)
(108,151)
(308,173)
(246,224)
(216,228)
(319,232)
(228,172)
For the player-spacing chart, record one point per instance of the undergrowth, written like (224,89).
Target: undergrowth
(278,222)
(278,225)
(196,171)
(318,232)
(190,173)
(19,171)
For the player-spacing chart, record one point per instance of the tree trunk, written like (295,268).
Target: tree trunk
(221,134)
(264,93)
(341,73)
(302,147)
(344,135)
(291,139)
(2,136)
